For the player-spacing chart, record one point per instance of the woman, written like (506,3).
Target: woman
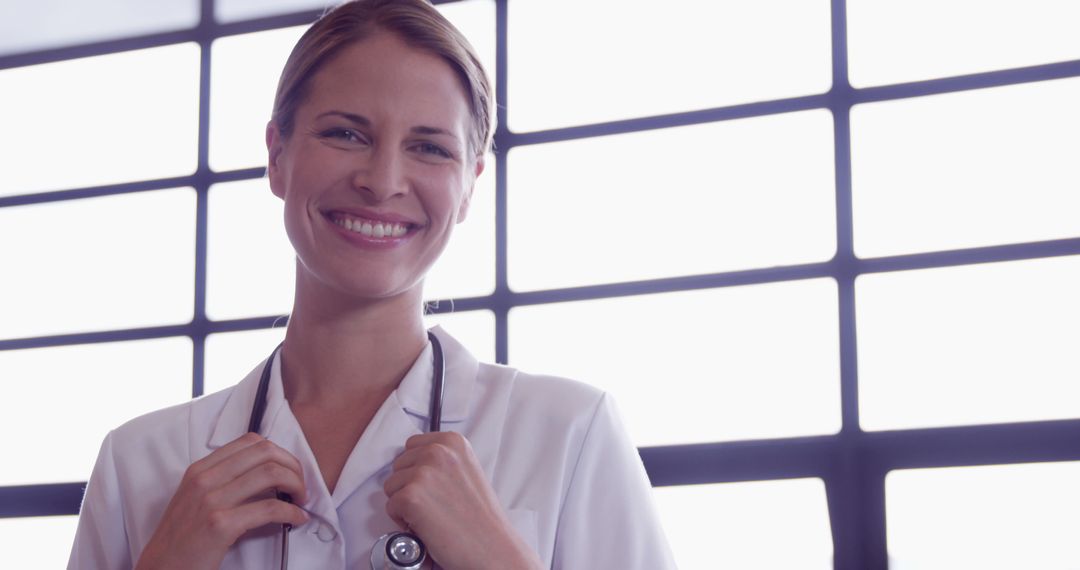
(380,125)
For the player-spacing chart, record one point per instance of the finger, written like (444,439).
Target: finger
(249,458)
(442,452)
(422,439)
(228,450)
(399,479)
(232,523)
(403,507)
(408,458)
(260,479)
(419,439)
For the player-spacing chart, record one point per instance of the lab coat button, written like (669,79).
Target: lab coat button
(326,533)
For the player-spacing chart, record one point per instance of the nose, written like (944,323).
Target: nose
(380,175)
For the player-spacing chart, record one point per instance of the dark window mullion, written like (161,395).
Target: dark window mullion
(501,299)
(855,492)
(207,34)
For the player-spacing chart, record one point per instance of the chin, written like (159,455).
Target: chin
(374,290)
(355,285)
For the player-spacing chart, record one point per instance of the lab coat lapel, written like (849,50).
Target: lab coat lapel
(461,368)
(279,426)
(463,391)
(405,414)
(382,441)
(384,437)
(232,422)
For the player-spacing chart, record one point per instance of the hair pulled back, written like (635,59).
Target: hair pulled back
(418,24)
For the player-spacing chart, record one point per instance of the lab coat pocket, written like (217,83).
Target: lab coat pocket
(524,522)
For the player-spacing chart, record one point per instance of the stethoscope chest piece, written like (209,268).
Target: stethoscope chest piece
(398,551)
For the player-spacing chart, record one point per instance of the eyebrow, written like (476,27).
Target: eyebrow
(365,122)
(358,119)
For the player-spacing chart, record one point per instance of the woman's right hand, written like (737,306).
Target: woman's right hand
(218,500)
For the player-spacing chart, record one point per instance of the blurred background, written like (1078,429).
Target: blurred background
(825,254)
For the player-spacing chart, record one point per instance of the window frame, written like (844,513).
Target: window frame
(852,463)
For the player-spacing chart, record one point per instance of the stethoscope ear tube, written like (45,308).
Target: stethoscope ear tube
(438,378)
(255,425)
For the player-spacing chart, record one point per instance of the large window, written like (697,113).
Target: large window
(825,254)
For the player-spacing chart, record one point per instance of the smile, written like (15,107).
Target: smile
(370,228)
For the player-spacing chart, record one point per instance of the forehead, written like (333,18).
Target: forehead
(382,76)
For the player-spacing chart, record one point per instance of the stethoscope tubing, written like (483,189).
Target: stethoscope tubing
(435,403)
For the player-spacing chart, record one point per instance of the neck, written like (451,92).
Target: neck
(338,350)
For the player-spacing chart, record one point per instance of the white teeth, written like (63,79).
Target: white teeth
(375,230)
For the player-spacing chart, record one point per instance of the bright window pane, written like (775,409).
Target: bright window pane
(967,169)
(476,20)
(231,356)
(100,120)
(701,365)
(37,542)
(706,198)
(586,62)
(969,345)
(474,329)
(250,263)
(69,397)
(467,266)
(740,525)
(232,10)
(999,517)
(243,80)
(99,263)
(45,24)
(897,42)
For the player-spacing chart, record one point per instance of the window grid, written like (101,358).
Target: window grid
(853,463)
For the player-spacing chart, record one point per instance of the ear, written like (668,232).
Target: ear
(274,145)
(466,200)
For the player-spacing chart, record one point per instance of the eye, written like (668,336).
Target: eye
(433,149)
(343,134)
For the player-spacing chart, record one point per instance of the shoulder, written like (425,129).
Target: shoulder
(561,412)
(560,400)
(172,435)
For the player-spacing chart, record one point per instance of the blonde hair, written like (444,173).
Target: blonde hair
(418,24)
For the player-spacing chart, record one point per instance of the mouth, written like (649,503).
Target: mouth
(377,229)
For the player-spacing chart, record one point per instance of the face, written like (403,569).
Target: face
(377,170)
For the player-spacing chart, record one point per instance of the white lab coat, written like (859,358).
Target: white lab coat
(554,450)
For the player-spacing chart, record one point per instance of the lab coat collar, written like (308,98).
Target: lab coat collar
(461,367)
(402,415)
(234,417)
(278,426)
(405,414)
(412,395)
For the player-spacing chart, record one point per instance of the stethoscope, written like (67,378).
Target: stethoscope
(392,551)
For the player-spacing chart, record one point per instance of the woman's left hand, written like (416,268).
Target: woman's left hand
(439,491)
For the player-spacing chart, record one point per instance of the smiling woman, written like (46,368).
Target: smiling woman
(380,145)
(375,442)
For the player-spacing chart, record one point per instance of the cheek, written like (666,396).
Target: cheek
(293,225)
(298,218)
(445,195)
